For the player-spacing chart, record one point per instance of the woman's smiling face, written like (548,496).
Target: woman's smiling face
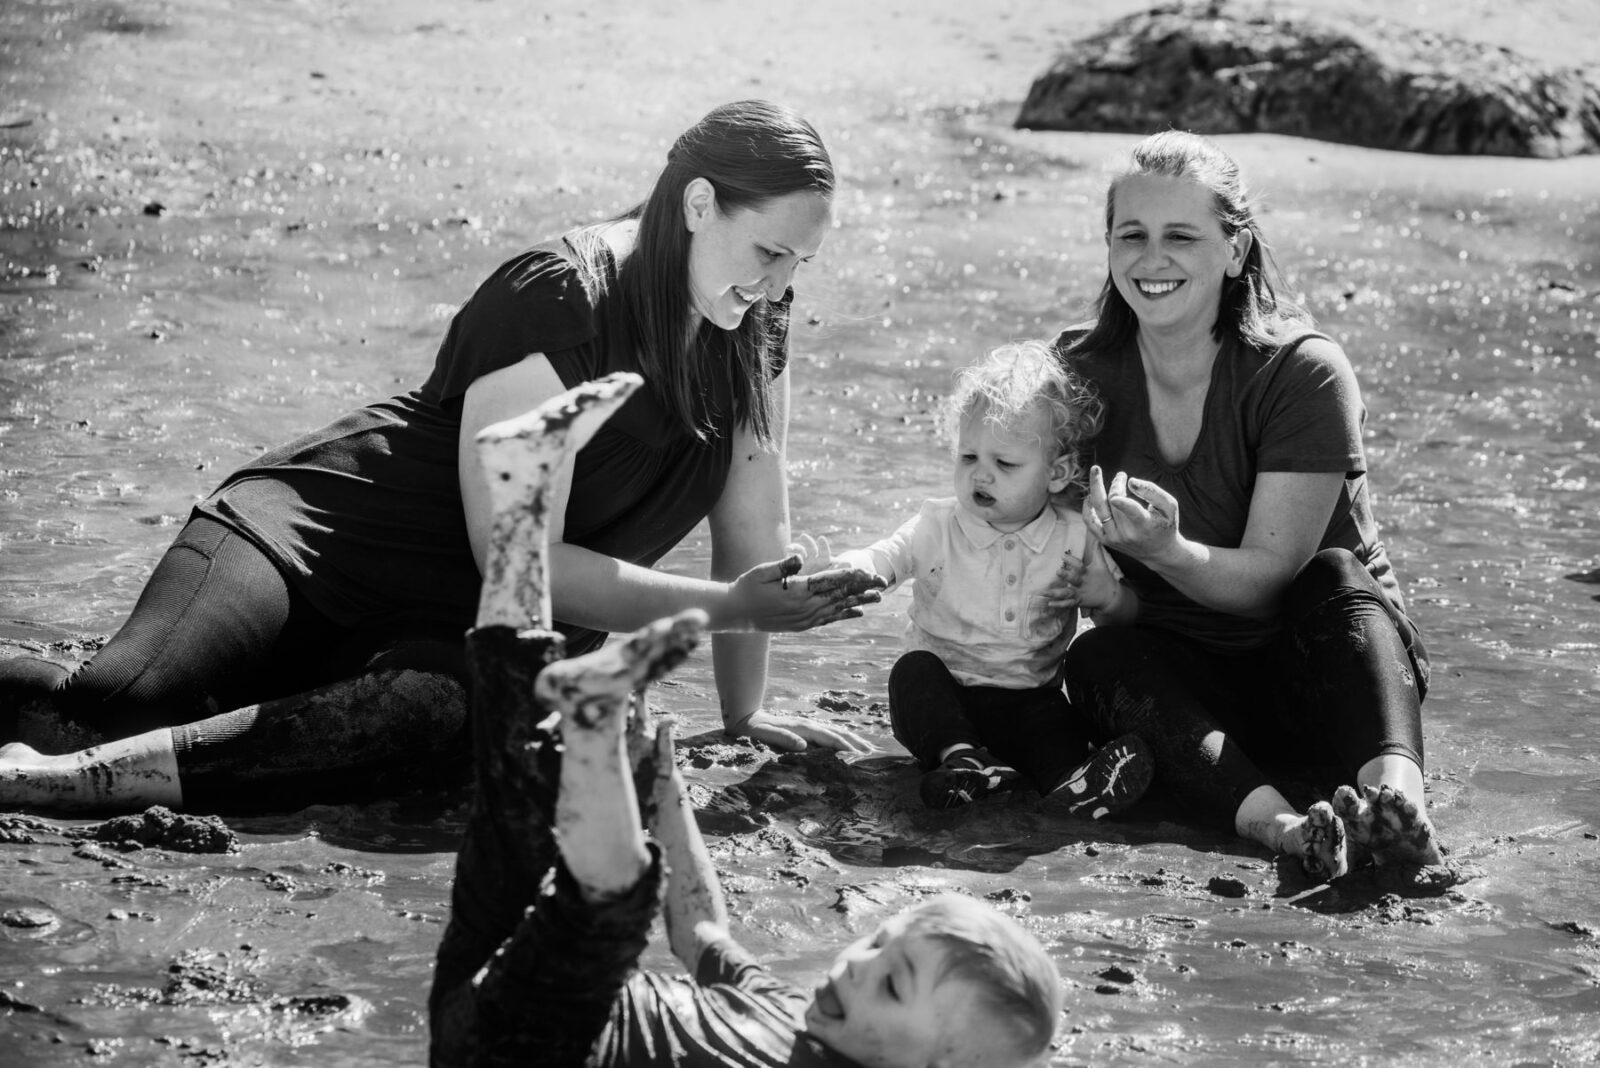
(738,258)
(1167,252)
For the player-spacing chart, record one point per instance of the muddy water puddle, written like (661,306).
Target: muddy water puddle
(287,279)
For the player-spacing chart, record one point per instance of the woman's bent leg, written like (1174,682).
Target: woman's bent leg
(1132,680)
(196,644)
(1356,674)
(1345,668)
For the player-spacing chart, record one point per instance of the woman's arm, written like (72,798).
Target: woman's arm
(1289,512)
(749,524)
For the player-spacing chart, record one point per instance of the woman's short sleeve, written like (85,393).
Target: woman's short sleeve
(536,302)
(1310,413)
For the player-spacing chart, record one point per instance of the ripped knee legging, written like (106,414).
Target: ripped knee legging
(1341,683)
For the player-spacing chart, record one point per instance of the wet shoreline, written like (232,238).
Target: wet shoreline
(210,245)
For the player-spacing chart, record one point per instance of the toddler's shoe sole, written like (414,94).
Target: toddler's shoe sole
(1115,777)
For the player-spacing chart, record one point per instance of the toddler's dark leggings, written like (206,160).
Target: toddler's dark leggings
(1342,683)
(1033,730)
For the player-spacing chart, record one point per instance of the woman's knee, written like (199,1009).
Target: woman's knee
(1106,653)
(1330,574)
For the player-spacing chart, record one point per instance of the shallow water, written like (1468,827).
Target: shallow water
(325,203)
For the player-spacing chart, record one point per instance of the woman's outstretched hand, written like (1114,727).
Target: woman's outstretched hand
(1132,515)
(792,733)
(777,597)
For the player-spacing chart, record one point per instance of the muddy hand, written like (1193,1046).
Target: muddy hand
(519,458)
(1132,515)
(589,688)
(769,597)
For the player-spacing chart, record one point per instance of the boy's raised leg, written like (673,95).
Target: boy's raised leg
(516,769)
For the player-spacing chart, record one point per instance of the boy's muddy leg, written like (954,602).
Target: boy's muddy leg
(509,846)
(519,457)
(1388,825)
(597,815)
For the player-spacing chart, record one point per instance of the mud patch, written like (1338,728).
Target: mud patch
(161,828)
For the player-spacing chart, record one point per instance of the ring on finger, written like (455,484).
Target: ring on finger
(1105,520)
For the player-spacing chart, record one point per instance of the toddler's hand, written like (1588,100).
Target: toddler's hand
(1064,592)
(815,553)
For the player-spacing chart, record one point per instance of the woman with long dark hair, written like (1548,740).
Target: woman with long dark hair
(357,548)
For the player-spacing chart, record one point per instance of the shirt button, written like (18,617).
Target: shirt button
(1011,580)
(1011,615)
(1010,544)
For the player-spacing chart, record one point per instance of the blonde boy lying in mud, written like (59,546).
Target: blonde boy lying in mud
(557,881)
(977,696)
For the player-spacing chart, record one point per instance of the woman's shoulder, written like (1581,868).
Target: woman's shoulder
(1310,352)
(576,267)
(1071,335)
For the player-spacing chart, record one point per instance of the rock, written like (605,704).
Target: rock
(1227,886)
(161,827)
(1218,68)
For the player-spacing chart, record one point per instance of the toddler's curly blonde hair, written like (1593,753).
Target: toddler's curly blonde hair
(1016,380)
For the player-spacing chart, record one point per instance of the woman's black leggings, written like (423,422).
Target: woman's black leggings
(1342,683)
(217,628)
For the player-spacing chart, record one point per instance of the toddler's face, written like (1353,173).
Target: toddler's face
(885,1004)
(1005,475)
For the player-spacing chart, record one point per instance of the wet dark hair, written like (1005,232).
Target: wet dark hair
(1251,309)
(752,152)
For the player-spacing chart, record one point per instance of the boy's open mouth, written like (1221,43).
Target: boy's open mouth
(827,1002)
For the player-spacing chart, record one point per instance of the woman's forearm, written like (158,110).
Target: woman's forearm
(1241,582)
(590,589)
(739,662)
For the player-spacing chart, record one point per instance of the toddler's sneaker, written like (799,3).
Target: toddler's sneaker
(966,776)
(1114,778)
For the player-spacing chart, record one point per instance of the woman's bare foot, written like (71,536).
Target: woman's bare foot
(1319,841)
(1388,825)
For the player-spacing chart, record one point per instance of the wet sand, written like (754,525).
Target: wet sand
(225,224)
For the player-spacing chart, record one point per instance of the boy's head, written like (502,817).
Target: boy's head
(949,982)
(1017,422)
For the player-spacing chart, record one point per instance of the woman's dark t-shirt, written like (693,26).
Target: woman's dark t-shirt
(1296,408)
(365,517)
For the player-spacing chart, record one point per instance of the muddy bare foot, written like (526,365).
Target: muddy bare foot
(1387,825)
(1319,841)
(600,683)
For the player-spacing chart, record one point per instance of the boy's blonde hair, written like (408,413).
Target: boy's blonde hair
(1019,995)
(1016,380)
